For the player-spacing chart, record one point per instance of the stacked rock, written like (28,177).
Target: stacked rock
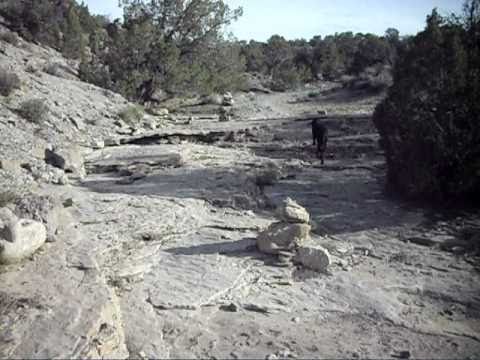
(290,232)
(228,99)
(289,238)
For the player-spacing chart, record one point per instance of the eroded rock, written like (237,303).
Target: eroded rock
(313,257)
(282,236)
(291,212)
(20,239)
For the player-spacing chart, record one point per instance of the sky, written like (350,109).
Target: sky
(296,19)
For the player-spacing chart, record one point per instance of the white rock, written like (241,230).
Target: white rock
(313,257)
(98,144)
(21,239)
(281,236)
(290,212)
(228,99)
(162,112)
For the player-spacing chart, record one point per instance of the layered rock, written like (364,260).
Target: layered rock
(289,238)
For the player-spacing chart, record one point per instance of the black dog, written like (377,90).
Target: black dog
(320,137)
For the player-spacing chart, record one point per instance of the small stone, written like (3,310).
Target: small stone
(160,112)
(280,236)
(291,212)
(68,203)
(21,239)
(228,99)
(314,257)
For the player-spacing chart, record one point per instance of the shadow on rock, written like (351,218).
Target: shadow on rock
(239,248)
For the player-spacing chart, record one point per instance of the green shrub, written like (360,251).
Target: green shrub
(8,82)
(429,123)
(285,76)
(95,73)
(132,114)
(34,110)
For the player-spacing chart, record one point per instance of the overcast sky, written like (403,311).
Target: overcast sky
(295,19)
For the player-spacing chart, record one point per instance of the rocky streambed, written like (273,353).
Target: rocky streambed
(160,259)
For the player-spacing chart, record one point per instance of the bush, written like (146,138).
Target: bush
(8,82)
(34,110)
(285,77)
(375,78)
(95,73)
(9,37)
(132,114)
(429,123)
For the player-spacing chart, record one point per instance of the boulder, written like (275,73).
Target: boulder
(282,236)
(313,257)
(290,212)
(21,239)
(69,159)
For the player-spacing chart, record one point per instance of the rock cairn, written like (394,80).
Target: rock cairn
(289,238)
